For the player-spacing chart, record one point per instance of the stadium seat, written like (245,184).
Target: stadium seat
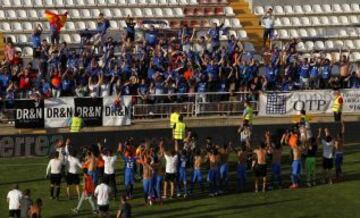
(303,33)
(354,19)
(333,20)
(100,3)
(114,2)
(342,33)
(235,23)
(91,25)
(277,22)
(38,3)
(16,3)
(28,3)
(113,24)
(27,52)
(298,9)
(346,8)
(74,13)
(355,56)
(32,14)
(344,20)
(6,3)
(168,12)
(337,8)
(316,9)
(95,13)
(242,34)
(127,12)
(85,13)
(162,2)
(70,26)
(338,44)
(178,12)
(193,2)
(307,9)
(11,14)
(107,13)
(357,44)
(285,21)
(295,21)
(324,21)
(59,3)
(76,38)
(80,25)
(13,38)
(283,34)
(27,26)
(329,45)
(305,21)
(132,2)
(116,12)
(158,12)
(21,14)
(66,38)
(349,44)
(172,2)
(355,7)
(352,32)
(69,3)
(326,8)
(278,10)
(16,26)
(137,12)
(300,46)
(288,9)
(312,32)
(259,10)
(309,45)
(294,33)
(49,3)
(79,2)
(229,11)
(22,39)
(183,2)
(148,12)
(2,14)
(319,45)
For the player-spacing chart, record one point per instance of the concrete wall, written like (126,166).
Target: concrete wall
(300,2)
(42,144)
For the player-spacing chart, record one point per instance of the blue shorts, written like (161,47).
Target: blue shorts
(182,177)
(147,186)
(197,177)
(296,167)
(338,159)
(213,174)
(224,171)
(241,171)
(129,177)
(276,169)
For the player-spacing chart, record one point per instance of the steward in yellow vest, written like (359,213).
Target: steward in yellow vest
(337,105)
(76,123)
(174,118)
(179,129)
(248,114)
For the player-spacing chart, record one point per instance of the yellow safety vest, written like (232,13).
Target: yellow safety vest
(337,107)
(76,124)
(304,118)
(249,115)
(179,131)
(174,118)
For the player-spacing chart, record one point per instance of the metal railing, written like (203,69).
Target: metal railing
(188,104)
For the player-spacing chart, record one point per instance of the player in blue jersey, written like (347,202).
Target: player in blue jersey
(182,175)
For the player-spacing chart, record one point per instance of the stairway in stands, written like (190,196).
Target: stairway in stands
(2,46)
(249,21)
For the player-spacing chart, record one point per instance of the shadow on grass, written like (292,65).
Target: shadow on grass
(23,181)
(165,210)
(236,209)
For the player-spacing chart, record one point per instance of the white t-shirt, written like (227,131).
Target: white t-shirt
(54,166)
(105,90)
(171,163)
(73,165)
(109,164)
(14,196)
(102,192)
(327,148)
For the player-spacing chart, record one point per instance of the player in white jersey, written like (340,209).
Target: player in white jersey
(73,167)
(54,171)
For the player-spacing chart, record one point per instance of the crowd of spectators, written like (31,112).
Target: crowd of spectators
(185,62)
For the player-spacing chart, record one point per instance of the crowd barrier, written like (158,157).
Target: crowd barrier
(114,111)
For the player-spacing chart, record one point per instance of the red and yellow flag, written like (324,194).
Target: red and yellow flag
(56,20)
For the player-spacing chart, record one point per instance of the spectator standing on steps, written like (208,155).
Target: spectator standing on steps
(268,23)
